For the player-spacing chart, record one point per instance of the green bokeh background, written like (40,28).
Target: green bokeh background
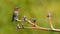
(32,9)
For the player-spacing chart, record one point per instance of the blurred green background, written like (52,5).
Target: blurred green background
(32,9)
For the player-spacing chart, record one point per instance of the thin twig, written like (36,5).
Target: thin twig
(41,28)
(50,20)
(38,27)
(18,20)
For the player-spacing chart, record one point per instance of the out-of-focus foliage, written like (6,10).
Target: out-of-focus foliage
(32,9)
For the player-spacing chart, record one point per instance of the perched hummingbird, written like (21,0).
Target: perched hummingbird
(15,14)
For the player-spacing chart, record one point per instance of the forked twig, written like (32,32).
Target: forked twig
(40,28)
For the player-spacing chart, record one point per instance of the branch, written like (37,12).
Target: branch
(41,28)
(38,27)
(50,20)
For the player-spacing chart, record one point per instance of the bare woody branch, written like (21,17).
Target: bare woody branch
(50,20)
(41,28)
